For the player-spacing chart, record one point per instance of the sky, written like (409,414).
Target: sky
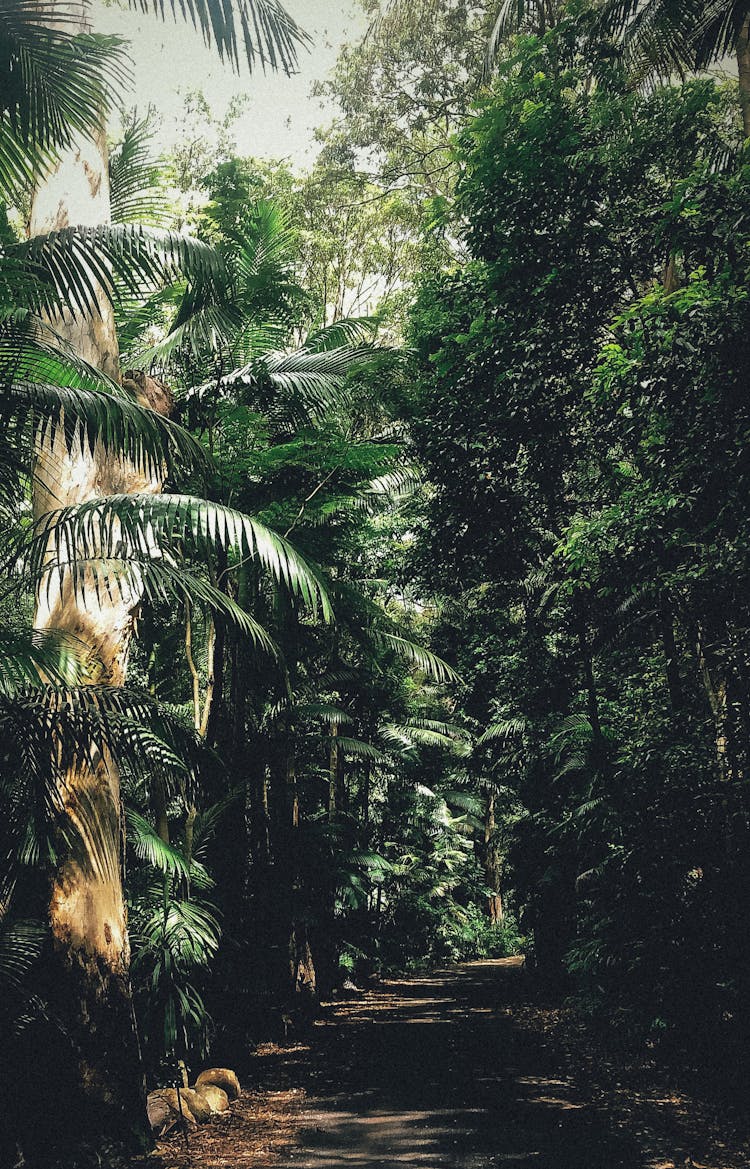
(169,57)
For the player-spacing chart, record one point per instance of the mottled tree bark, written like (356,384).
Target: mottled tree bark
(492,864)
(93,1096)
(743,72)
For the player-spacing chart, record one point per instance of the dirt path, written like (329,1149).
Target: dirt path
(439,1072)
(436,1077)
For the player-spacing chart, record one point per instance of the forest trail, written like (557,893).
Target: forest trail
(429,1072)
(454,1070)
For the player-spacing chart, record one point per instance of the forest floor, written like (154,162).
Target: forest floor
(456,1070)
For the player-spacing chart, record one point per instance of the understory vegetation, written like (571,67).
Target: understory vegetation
(375,583)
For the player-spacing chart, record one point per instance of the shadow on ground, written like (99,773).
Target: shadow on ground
(431,1073)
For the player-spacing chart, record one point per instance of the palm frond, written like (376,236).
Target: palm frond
(352,331)
(467,801)
(155,578)
(317,380)
(207,821)
(514,16)
(504,730)
(137,191)
(75,266)
(30,656)
(325,711)
(21,944)
(259,29)
(448,730)
(115,420)
(396,485)
(132,526)
(56,81)
(149,847)
(56,729)
(663,37)
(423,659)
(32,350)
(425,736)
(359,749)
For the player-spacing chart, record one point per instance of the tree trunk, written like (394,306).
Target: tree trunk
(94,1092)
(743,72)
(492,864)
(336,776)
(714,678)
(303,980)
(671,658)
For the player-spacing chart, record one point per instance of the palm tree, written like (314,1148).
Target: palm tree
(657,37)
(666,36)
(56,81)
(515,16)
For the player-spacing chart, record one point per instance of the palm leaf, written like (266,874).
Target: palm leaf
(137,191)
(55,729)
(156,578)
(32,350)
(56,81)
(75,266)
(134,525)
(149,847)
(29,656)
(424,659)
(326,712)
(261,29)
(115,420)
(359,749)
(21,945)
(507,729)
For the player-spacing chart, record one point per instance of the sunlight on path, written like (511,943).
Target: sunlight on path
(428,1073)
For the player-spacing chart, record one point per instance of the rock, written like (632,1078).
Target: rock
(215,1097)
(197,1104)
(222,1078)
(161,1115)
(163,1111)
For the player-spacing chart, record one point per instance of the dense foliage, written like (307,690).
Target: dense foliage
(441,566)
(578,408)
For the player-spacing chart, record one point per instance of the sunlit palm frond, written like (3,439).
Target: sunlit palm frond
(32,350)
(427,733)
(156,578)
(35,657)
(56,81)
(318,381)
(359,749)
(352,331)
(74,267)
(149,847)
(116,421)
(137,190)
(503,731)
(57,729)
(135,525)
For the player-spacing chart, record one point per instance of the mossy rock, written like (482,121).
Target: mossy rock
(197,1104)
(222,1078)
(216,1097)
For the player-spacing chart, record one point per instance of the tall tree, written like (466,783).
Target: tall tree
(98,1086)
